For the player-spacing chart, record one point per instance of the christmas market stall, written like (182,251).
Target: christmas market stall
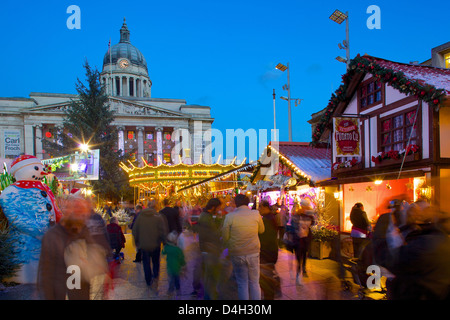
(297,170)
(387,125)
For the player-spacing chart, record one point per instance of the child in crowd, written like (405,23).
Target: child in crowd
(175,261)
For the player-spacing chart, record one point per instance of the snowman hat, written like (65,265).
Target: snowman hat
(23,161)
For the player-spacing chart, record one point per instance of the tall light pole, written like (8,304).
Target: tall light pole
(274,119)
(287,87)
(339,17)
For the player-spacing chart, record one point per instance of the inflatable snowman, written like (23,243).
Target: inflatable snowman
(30,207)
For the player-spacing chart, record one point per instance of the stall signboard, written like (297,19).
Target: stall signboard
(347,137)
(12,143)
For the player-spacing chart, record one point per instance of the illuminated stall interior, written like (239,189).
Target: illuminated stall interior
(296,160)
(375,196)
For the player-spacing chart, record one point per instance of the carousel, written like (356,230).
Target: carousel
(176,180)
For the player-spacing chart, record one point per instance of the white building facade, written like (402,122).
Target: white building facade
(158,130)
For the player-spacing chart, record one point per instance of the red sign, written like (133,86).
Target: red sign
(347,137)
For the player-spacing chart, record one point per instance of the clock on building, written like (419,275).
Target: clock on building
(124,63)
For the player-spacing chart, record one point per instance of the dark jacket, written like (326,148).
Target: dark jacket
(208,234)
(359,219)
(173,219)
(116,236)
(269,240)
(422,266)
(52,271)
(149,230)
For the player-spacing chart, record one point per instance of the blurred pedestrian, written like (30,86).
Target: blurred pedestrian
(209,237)
(70,257)
(269,280)
(137,211)
(116,238)
(282,215)
(175,262)
(306,221)
(149,232)
(172,216)
(98,231)
(360,228)
(420,251)
(240,234)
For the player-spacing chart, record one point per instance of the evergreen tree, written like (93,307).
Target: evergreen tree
(88,120)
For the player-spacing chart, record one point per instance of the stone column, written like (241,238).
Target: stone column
(140,142)
(121,138)
(159,155)
(38,141)
(28,137)
(134,87)
(59,131)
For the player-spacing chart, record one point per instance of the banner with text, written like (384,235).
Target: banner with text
(347,137)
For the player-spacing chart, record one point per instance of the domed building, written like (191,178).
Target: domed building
(125,71)
(148,126)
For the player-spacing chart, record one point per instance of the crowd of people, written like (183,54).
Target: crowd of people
(238,246)
(411,244)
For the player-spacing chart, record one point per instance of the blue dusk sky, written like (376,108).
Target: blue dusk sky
(215,53)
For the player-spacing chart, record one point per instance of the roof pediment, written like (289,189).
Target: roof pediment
(131,108)
(121,107)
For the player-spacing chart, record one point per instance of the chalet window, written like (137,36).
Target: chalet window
(396,130)
(447,60)
(370,93)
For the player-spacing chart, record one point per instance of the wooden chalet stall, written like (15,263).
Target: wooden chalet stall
(388,125)
(299,167)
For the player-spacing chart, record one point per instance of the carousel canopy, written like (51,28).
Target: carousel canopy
(177,175)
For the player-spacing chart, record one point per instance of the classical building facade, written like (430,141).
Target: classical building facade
(160,131)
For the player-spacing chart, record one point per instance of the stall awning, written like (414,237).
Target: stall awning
(314,164)
(373,177)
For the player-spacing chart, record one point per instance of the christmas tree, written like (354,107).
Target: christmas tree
(88,121)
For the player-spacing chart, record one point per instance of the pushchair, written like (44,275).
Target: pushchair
(357,267)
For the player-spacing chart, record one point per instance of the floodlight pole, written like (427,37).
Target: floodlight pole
(274,118)
(347,47)
(289,103)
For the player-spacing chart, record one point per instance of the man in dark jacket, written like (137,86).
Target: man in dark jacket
(149,232)
(268,280)
(420,257)
(172,217)
(210,248)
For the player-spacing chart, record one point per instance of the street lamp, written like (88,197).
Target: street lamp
(84,147)
(339,17)
(297,101)
(287,87)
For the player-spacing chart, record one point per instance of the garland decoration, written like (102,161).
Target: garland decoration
(396,79)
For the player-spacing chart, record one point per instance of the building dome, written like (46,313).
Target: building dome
(124,49)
